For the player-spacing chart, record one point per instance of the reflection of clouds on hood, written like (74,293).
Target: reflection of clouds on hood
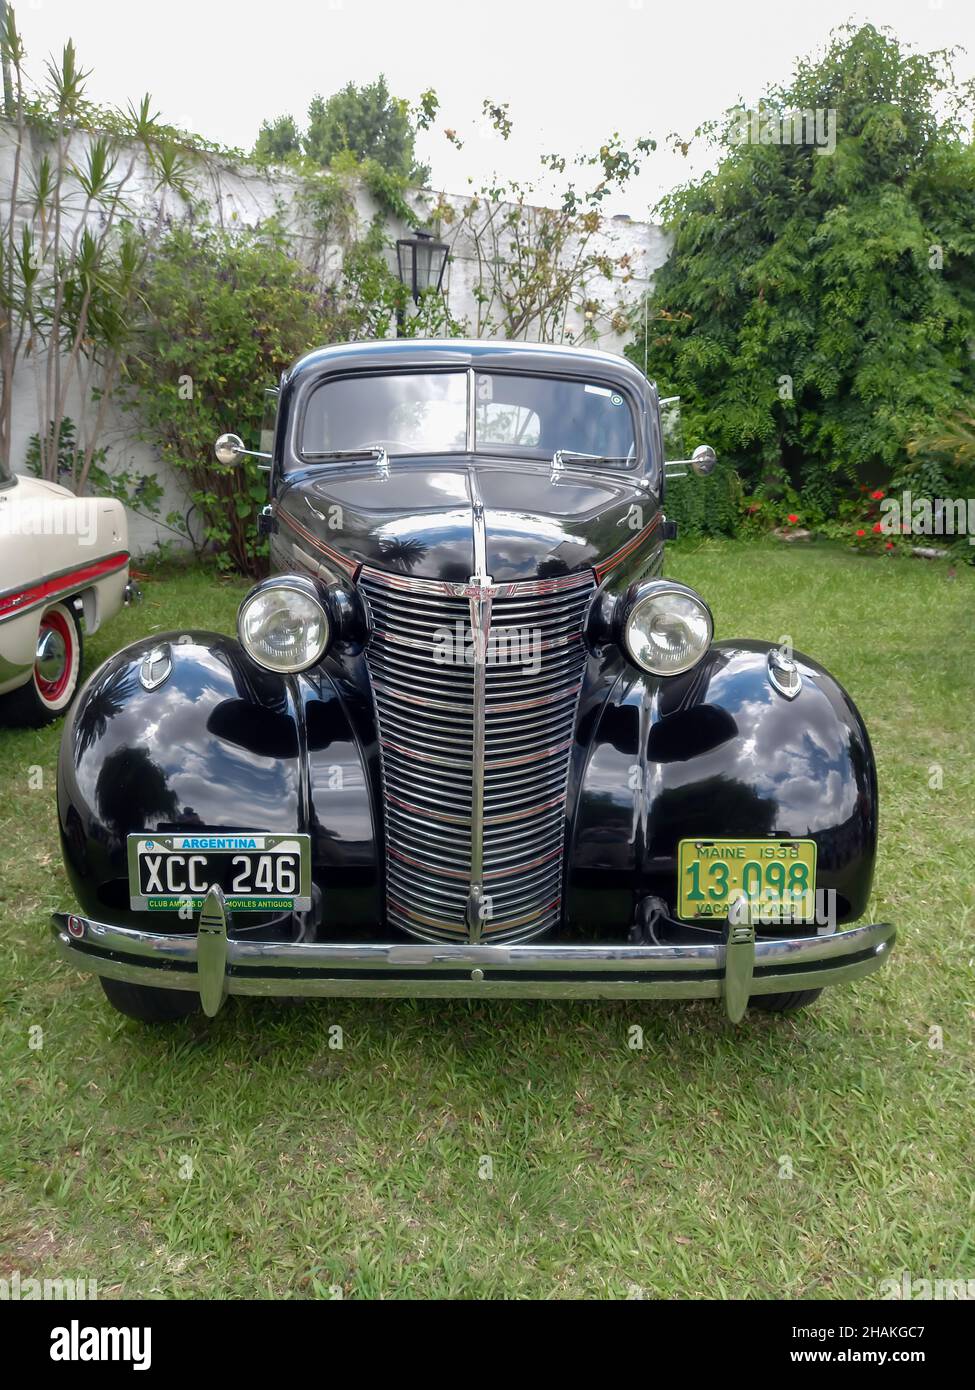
(198,764)
(779,755)
(447,526)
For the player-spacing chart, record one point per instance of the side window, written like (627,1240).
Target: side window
(268,419)
(671,428)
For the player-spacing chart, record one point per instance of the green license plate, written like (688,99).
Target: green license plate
(258,873)
(775,877)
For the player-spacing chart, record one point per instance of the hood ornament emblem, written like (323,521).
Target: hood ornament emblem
(480,588)
(783,674)
(157,666)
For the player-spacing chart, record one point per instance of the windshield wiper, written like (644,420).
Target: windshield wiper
(561,454)
(367,451)
(561,457)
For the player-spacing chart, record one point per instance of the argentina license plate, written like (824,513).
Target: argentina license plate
(776,878)
(258,873)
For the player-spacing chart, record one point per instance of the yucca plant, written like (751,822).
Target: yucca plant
(71,249)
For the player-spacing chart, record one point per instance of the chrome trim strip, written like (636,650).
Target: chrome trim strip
(480,577)
(605,971)
(603,567)
(14,603)
(121,556)
(335,556)
(451,589)
(471,410)
(477,904)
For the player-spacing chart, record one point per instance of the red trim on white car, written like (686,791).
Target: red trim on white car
(20,600)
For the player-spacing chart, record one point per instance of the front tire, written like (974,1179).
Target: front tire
(148,1005)
(56,672)
(784,1003)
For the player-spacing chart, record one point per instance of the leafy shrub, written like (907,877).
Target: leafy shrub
(224,315)
(818,307)
(708,506)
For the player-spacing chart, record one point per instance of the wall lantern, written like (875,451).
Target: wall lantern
(421,262)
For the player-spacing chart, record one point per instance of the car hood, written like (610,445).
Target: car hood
(418,518)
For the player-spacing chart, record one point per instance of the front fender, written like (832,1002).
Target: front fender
(220,744)
(720,753)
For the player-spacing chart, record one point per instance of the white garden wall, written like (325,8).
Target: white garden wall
(246,195)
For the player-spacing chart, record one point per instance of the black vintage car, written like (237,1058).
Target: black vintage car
(467,741)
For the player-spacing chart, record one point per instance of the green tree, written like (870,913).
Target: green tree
(277,139)
(367,122)
(818,308)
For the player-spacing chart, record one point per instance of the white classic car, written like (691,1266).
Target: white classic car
(64,568)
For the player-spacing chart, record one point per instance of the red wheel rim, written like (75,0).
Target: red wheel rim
(52,690)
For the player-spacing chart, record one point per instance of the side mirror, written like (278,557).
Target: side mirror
(703,460)
(229,448)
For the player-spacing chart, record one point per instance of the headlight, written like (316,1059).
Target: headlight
(667,628)
(283,625)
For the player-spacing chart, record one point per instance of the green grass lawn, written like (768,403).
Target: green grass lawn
(614,1171)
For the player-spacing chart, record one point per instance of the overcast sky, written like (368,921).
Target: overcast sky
(573,71)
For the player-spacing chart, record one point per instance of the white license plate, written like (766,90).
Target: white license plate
(258,873)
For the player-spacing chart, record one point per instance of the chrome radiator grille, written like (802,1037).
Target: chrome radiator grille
(456,839)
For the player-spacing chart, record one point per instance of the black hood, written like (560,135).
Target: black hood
(418,518)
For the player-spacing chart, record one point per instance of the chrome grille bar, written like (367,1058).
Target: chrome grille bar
(475,752)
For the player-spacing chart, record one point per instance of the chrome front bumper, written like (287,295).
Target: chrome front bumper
(215,965)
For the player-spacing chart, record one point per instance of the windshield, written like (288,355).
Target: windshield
(514,415)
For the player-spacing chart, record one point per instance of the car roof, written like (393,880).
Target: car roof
(483,353)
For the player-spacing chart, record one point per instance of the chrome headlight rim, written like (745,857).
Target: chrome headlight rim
(307,590)
(652,590)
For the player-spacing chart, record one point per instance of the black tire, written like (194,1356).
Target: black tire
(784,1003)
(149,1005)
(40,702)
